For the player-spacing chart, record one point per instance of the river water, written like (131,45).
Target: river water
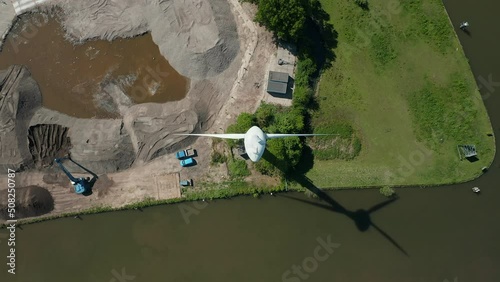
(428,235)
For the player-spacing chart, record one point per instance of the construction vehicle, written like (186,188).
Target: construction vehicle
(184,154)
(82,185)
(187,182)
(188,162)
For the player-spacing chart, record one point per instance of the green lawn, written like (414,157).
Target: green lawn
(402,83)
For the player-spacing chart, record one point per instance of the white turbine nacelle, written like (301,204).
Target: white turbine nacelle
(254,139)
(255,143)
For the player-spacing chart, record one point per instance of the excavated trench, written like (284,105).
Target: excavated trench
(47,142)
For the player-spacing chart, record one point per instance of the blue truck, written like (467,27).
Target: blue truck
(183,154)
(187,182)
(187,162)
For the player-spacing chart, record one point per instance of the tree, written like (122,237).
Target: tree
(265,115)
(306,68)
(387,191)
(243,123)
(284,17)
(290,121)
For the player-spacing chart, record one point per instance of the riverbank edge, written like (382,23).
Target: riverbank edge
(212,194)
(234,190)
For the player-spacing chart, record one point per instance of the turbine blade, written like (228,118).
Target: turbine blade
(390,239)
(223,136)
(270,136)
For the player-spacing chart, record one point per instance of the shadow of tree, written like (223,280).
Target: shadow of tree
(364,5)
(306,161)
(321,37)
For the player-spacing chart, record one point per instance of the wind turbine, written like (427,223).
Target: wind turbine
(254,139)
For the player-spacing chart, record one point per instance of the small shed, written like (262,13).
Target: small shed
(467,151)
(277,83)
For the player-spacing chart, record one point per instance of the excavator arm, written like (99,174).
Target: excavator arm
(93,174)
(73,179)
(81,185)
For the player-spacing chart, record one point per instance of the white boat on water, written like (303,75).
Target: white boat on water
(476,190)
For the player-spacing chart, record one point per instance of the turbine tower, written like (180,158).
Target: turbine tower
(254,139)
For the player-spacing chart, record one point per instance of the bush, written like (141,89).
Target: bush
(264,116)
(387,191)
(266,168)
(218,158)
(238,168)
(302,96)
(243,123)
(306,69)
(362,3)
(310,194)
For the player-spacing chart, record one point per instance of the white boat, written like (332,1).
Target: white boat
(476,190)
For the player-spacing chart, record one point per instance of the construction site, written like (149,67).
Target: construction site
(110,84)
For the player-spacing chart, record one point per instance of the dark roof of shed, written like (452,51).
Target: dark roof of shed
(278,76)
(276,87)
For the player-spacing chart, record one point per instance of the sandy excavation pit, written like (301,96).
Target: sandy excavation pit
(199,39)
(73,78)
(214,44)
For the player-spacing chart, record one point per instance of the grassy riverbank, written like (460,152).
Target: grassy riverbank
(402,84)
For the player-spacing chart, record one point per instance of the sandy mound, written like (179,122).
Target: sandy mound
(200,40)
(30,201)
(32,136)
(198,37)
(19,99)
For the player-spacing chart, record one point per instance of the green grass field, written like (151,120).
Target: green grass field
(402,85)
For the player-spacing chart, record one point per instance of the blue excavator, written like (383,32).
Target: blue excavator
(82,185)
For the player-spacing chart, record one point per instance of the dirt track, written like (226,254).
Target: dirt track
(145,132)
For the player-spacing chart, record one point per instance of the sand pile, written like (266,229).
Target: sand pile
(32,136)
(19,99)
(30,201)
(198,37)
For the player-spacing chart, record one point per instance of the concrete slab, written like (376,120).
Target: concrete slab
(287,65)
(288,59)
(21,6)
